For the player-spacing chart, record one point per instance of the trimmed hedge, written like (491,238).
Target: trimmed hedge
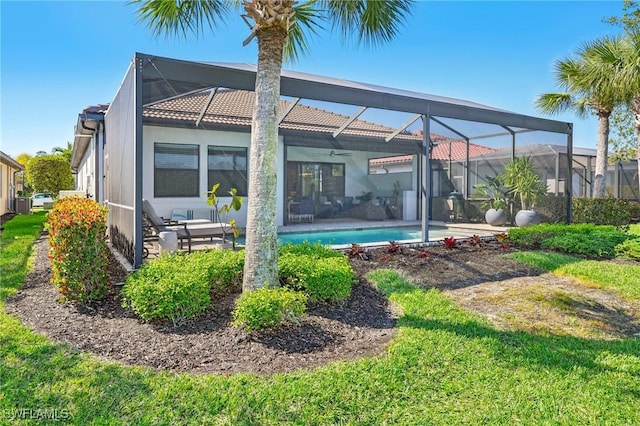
(584,239)
(322,279)
(601,211)
(596,244)
(316,250)
(172,287)
(224,269)
(179,286)
(269,308)
(78,248)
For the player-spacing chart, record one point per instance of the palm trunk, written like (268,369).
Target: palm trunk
(261,257)
(635,106)
(602,154)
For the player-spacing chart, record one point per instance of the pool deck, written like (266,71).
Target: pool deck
(458,230)
(332,225)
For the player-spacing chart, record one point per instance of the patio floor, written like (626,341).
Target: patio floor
(338,224)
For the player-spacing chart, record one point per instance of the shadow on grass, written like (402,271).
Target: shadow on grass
(518,348)
(563,352)
(40,375)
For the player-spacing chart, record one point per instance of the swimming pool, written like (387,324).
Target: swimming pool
(371,235)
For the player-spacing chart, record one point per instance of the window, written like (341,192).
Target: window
(228,167)
(176,171)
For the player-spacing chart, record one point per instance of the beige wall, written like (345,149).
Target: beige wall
(6,186)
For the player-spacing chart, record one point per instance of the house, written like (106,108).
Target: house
(8,183)
(87,155)
(176,127)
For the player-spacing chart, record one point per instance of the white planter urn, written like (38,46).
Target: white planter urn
(527,218)
(495,217)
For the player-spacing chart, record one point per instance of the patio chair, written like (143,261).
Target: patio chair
(302,211)
(186,230)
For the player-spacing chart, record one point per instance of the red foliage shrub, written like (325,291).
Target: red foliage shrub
(393,247)
(449,242)
(78,248)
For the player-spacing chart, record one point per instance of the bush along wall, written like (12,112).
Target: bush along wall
(78,248)
(601,211)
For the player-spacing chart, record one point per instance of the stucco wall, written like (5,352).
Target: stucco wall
(203,138)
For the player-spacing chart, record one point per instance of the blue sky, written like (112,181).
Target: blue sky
(59,56)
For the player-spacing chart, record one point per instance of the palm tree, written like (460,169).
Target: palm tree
(590,87)
(622,59)
(281,28)
(66,152)
(629,77)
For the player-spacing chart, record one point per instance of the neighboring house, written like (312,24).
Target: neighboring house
(176,127)
(8,190)
(87,156)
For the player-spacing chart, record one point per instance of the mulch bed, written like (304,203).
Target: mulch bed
(360,326)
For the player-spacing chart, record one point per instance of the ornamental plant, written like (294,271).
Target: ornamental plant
(525,184)
(222,211)
(449,242)
(492,192)
(78,248)
(322,279)
(173,287)
(269,308)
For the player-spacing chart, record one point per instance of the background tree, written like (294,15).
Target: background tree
(21,178)
(629,81)
(590,86)
(623,140)
(50,174)
(281,28)
(65,152)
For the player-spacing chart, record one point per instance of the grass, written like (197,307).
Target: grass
(446,366)
(16,242)
(624,279)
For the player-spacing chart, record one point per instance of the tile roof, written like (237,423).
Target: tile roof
(96,109)
(235,107)
(440,151)
(458,150)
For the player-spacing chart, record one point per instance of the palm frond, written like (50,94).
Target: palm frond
(554,103)
(180,17)
(374,22)
(307,21)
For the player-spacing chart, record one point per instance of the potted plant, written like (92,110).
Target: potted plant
(495,200)
(525,184)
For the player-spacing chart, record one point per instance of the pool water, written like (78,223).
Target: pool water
(369,235)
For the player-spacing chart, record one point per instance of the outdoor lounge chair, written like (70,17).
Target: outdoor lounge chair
(302,211)
(185,230)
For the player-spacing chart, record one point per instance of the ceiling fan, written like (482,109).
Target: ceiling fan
(332,153)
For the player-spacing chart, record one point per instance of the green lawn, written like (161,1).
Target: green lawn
(446,367)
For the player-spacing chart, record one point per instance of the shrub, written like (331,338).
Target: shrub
(224,269)
(78,248)
(629,249)
(172,287)
(600,243)
(552,209)
(322,279)
(601,211)
(356,250)
(393,247)
(268,308)
(536,234)
(449,242)
(634,212)
(316,250)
